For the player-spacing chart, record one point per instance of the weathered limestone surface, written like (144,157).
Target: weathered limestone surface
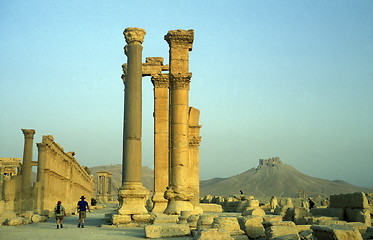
(166,230)
(229,224)
(179,193)
(208,234)
(328,212)
(211,207)
(335,232)
(255,212)
(349,200)
(359,215)
(161,140)
(117,219)
(252,225)
(274,232)
(132,195)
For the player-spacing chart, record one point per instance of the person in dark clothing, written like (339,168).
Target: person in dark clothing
(60,212)
(82,208)
(312,203)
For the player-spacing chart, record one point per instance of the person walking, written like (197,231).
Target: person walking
(60,212)
(82,208)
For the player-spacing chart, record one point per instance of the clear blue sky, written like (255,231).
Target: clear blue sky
(292,79)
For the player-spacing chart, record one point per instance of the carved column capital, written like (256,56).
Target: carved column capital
(42,146)
(160,80)
(180,38)
(29,133)
(134,35)
(180,80)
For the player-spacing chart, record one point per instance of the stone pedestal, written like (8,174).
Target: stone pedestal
(9,193)
(132,195)
(179,193)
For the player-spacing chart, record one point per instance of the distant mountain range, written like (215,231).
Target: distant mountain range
(271,177)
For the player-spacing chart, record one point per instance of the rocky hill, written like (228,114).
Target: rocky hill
(270,177)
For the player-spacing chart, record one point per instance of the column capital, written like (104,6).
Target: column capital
(180,38)
(195,141)
(160,80)
(180,80)
(42,146)
(134,35)
(29,133)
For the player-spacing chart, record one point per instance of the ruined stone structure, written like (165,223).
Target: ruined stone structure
(104,193)
(59,178)
(176,126)
(132,195)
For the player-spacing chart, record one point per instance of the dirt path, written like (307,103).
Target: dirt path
(92,231)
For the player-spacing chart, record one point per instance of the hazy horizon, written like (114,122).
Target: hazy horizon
(292,79)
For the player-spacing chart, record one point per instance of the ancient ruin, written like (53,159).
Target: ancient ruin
(176,128)
(59,178)
(103,189)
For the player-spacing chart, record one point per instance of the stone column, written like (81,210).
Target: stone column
(27,169)
(179,192)
(194,142)
(161,140)
(40,178)
(9,196)
(133,194)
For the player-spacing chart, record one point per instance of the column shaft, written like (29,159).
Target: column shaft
(27,159)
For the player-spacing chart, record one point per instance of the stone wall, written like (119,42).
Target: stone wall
(61,178)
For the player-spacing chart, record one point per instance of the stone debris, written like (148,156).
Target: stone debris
(229,224)
(252,225)
(335,232)
(166,230)
(212,233)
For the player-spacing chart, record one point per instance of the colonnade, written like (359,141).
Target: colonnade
(176,127)
(104,186)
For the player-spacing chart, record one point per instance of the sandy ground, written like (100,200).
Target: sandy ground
(92,230)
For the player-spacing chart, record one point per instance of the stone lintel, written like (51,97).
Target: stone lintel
(134,35)
(29,133)
(180,38)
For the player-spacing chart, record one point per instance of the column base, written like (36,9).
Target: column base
(132,199)
(176,206)
(159,203)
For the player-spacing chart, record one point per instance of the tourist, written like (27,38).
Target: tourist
(82,210)
(311,203)
(60,212)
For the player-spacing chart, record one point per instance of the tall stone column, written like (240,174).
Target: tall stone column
(9,196)
(161,140)
(194,142)
(27,169)
(132,194)
(40,178)
(179,192)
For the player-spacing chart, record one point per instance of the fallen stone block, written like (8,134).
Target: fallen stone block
(164,218)
(369,233)
(210,207)
(141,218)
(205,220)
(349,200)
(254,212)
(229,224)
(38,218)
(302,228)
(288,237)
(361,227)
(306,235)
(271,218)
(117,219)
(359,215)
(279,223)
(328,212)
(335,232)
(273,232)
(300,215)
(252,225)
(209,234)
(15,221)
(167,230)
(192,221)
